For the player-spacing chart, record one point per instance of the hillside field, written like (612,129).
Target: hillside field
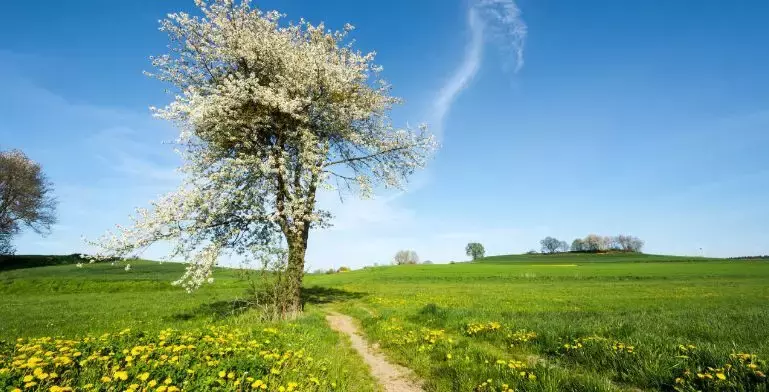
(565,322)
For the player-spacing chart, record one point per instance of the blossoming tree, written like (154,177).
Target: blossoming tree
(270,113)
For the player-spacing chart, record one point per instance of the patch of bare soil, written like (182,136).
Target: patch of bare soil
(392,377)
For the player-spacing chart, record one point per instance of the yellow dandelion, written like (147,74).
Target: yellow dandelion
(257,384)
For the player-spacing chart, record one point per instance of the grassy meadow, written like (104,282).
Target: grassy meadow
(108,315)
(681,316)
(538,323)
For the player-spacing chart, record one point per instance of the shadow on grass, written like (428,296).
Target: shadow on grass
(216,310)
(219,310)
(326,295)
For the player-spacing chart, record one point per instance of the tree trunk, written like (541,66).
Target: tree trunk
(297,246)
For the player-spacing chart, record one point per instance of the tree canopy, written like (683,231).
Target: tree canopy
(406,257)
(270,113)
(26,198)
(475,250)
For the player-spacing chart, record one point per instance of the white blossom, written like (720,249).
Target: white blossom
(268,112)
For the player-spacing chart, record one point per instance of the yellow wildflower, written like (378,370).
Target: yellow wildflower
(257,384)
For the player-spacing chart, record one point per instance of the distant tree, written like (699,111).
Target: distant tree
(427,262)
(636,244)
(475,250)
(26,198)
(343,269)
(578,245)
(609,243)
(563,246)
(406,257)
(6,247)
(628,243)
(593,243)
(532,252)
(550,245)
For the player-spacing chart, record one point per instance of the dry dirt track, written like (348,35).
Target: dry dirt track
(392,377)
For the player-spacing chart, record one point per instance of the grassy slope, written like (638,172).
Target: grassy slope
(719,306)
(67,300)
(62,300)
(653,302)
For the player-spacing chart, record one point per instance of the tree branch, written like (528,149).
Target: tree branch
(364,158)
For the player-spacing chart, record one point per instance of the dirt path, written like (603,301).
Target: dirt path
(392,377)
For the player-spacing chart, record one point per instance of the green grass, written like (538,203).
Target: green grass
(63,300)
(420,314)
(654,303)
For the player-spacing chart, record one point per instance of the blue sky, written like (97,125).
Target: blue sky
(648,118)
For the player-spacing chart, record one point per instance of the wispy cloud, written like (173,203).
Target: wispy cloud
(130,155)
(497,22)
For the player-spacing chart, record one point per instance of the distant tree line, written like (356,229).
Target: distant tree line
(759,257)
(593,243)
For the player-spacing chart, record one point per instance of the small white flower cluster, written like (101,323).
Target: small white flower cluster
(268,113)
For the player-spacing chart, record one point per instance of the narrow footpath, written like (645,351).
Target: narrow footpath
(392,377)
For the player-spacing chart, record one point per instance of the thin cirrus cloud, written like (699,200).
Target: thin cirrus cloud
(495,22)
